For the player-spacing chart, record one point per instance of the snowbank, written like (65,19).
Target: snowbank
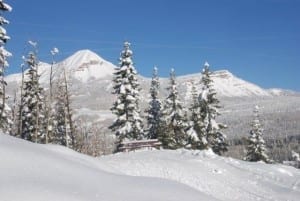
(222,178)
(32,172)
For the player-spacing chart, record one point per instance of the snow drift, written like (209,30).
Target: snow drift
(32,172)
(220,177)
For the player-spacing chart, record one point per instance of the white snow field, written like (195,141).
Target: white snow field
(220,177)
(33,172)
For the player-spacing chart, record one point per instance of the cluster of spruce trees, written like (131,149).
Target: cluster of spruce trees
(167,120)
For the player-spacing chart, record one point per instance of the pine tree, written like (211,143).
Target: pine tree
(197,132)
(174,119)
(128,125)
(59,132)
(5,121)
(256,149)
(209,105)
(63,131)
(154,110)
(33,112)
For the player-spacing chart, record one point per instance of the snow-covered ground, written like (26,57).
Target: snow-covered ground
(219,177)
(31,172)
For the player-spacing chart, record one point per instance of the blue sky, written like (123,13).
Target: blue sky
(257,40)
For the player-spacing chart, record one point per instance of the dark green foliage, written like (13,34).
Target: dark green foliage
(197,135)
(154,111)
(208,107)
(174,119)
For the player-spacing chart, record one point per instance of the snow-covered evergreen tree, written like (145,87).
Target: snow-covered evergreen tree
(256,148)
(197,138)
(209,105)
(33,112)
(174,119)
(154,110)
(5,121)
(63,131)
(128,125)
(59,118)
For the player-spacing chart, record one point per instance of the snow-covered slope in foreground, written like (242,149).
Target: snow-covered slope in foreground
(223,178)
(31,172)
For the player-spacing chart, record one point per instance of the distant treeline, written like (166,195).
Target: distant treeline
(280,149)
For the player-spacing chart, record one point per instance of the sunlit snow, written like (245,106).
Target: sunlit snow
(33,172)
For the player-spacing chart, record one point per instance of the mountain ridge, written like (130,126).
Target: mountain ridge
(85,65)
(92,99)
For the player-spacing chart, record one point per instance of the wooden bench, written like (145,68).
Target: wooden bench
(139,144)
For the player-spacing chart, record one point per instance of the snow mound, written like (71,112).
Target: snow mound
(32,172)
(220,177)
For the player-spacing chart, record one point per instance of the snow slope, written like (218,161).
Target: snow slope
(32,172)
(223,178)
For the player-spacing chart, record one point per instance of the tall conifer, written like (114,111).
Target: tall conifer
(5,121)
(256,149)
(129,124)
(154,110)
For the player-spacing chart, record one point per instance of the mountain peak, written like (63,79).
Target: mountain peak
(223,74)
(86,64)
(86,53)
(81,57)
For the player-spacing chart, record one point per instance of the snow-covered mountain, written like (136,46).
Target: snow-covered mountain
(35,172)
(91,84)
(86,66)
